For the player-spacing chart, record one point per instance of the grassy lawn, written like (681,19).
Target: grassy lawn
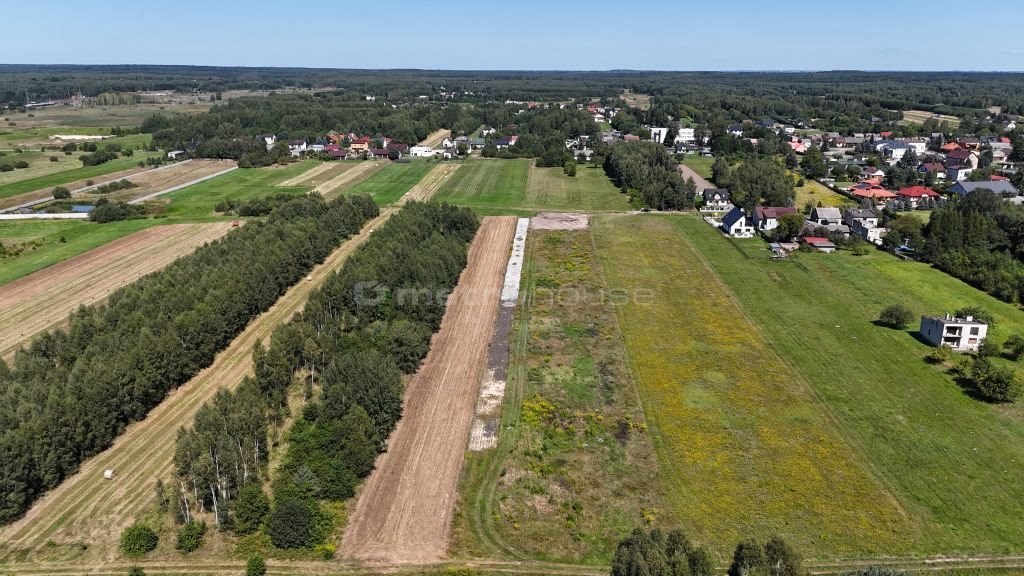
(954,463)
(70,175)
(516,186)
(574,469)
(700,164)
(39,165)
(44,245)
(391,182)
(814,192)
(197,202)
(745,448)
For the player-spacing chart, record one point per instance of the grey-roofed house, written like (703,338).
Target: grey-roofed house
(1002,187)
(715,200)
(825,216)
(735,224)
(860,216)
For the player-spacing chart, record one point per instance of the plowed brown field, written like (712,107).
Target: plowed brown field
(404,511)
(46,298)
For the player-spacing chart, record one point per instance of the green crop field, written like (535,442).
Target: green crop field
(745,447)
(40,239)
(42,242)
(953,463)
(571,417)
(391,182)
(197,202)
(69,175)
(516,186)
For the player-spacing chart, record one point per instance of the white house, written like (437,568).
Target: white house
(658,134)
(715,200)
(447,143)
(270,140)
(422,151)
(487,131)
(767,217)
(685,136)
(961,334)
(735,224)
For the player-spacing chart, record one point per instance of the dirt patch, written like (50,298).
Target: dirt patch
(46,298)
(560,221)
(436,137)
(404,510)
(688,173)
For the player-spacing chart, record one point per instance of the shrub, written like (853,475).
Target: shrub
(940,355)
(190,536)
(136,571)
(54,159)
(6,168)
(21,164)
(255,567)
(996,384)
(252,509)
(138,539)
(290,524)
(896,316)
(1014,347)
(861,249)
(61,193)
(89,182)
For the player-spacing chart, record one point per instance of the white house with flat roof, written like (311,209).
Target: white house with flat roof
(960,334)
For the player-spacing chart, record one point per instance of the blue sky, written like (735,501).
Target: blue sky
(520,34)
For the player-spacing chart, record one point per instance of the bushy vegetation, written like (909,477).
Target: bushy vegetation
(114,211)
(656,554)
(647,171)
(980,240)
(358,333)
(190,536)
(260,206)
(61,193)
(115,361)
(122,184)
(137,540)
(896,316)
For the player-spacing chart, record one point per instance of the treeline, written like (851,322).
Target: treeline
(233,129)
(756,180)
(655,553)
(647,172)
(980,240)
(73,390)
(358,334)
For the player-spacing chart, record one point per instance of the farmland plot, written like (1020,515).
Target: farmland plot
(46,298)
(745,447)
(404,509)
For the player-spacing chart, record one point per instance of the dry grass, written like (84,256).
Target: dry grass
(815,192)
(920,116)
(745,447)
(435,138)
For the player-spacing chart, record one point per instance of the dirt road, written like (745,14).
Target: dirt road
(404,510)
(435,138)
(701,183)
(46,298)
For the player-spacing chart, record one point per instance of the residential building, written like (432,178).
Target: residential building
(820,244)
(422,151)
(685,136)
(914,195)
(735,224)
(854,217)
(826,216)
(360,144)
(767,217)
(1002,187)
(715,200)
(961,334)
(658,134)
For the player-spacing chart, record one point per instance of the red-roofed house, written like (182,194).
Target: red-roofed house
(887,134)
(767,217)
(949,147)
(360,144)
(912,195)
(798,147)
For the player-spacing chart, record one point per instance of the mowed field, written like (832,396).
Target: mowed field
(39,164)
(391,182)
(404,508)
(516,186)
(14,193)
(745,447)
(954,463)
(920,116)
(82,519)
(45,299)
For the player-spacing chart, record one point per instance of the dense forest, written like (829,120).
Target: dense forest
(368,324)
(73,390)
(979,239)
(840,96)
(646,171)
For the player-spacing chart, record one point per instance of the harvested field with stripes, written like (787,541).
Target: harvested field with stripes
(405,508)
(435,138)
(332,187)
(46,298)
